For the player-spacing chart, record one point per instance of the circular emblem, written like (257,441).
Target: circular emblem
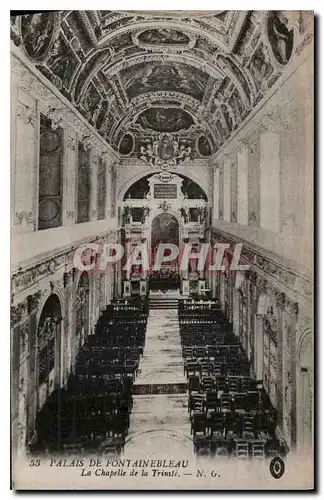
(277,467)
(50,141)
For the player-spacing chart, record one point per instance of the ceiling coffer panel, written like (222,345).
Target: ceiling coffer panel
(193,76)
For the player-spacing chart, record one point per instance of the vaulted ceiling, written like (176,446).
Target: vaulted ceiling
(191,73)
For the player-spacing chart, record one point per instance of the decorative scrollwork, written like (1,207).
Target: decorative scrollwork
(165,151)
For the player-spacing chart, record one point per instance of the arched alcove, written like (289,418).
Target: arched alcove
(49,347)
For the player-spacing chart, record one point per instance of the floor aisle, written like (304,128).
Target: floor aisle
(159,423)
(162,361)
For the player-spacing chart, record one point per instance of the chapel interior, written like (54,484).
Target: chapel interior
(150,127)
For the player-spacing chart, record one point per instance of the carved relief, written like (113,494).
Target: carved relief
(24,217)
(165,151)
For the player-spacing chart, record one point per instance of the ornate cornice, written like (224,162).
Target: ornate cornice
(270,273)
(23,279)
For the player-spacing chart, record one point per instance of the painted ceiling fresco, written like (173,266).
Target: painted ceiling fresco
(165,120)
(195,74)
(169,77)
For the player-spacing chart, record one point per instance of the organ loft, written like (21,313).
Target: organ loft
(170,133)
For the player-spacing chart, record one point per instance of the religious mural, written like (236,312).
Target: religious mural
(126,144)
(281,38)
(62,62)
(165,119)
(163,36)
(92,104)
(204,148)
(186,65)
(260,68)
(175,77)
(37,32)
(165,228)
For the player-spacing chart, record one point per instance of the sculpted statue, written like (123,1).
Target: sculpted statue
(127,215)
(184,214)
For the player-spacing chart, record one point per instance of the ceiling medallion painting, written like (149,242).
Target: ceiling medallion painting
(203,146)
(160,39)
(38,32)
(281,38)
(165,120)
(165,151)
(126,145)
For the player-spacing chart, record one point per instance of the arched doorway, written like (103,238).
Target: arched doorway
(164,229)
(49,348)
(82,310)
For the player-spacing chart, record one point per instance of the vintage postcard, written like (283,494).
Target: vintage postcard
(162,250)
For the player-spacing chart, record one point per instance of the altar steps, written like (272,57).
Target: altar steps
(163,303)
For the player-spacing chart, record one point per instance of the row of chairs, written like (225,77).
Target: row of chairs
(225,407)
(93,412)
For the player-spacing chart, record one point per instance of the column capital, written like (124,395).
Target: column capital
(242,144)
(71,143)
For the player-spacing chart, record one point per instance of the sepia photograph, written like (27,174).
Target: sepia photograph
(162,250)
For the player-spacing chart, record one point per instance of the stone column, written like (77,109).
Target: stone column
(107,159)
(70,166)
(67,325)
(93,157)
(289,418)
(270,181)
(221,192)
(254,182)
(227,188)
(233,190)
(25,139)
(280,307)
(19,376)
(252,301)
(242,183)
(74,346)
(259,346)
(216,193)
